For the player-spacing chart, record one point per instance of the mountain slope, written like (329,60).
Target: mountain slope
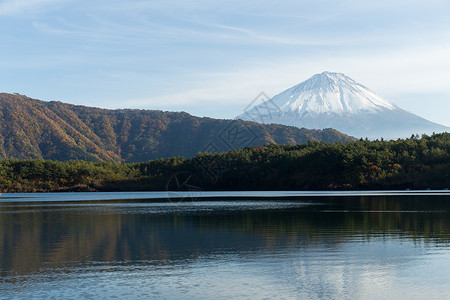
(32,128)
(335,100)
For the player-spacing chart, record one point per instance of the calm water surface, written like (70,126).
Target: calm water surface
(279,245)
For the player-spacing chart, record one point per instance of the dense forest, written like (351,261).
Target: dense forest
(414,163)
(34,129)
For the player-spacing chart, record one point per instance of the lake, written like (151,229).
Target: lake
(221,245)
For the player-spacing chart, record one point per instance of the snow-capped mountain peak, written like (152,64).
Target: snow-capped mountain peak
(333,100)
(330,93)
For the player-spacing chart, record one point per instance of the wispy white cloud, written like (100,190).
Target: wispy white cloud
(116,32)
(243,33)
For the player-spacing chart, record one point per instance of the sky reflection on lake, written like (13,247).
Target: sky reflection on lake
(346,247)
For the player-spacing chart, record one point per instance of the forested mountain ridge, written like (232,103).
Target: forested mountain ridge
(35,129)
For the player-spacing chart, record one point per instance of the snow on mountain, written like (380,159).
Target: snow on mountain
(331,93)
(337,101)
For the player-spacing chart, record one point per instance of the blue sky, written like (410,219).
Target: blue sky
(212,58)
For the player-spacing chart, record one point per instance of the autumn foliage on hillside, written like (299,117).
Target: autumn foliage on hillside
(34,129)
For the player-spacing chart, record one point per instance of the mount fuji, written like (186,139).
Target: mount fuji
(333,100)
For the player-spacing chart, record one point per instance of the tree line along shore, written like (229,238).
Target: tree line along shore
(419,162)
